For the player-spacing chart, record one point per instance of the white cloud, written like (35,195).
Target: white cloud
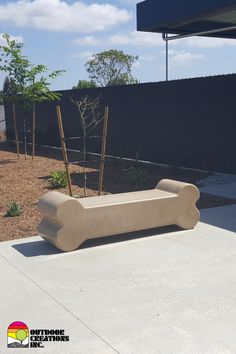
(87,41)
(87,55)
(130,2)
(58,15)
(137,65)
(143,39)
(16,38)
(149,57)
(121,39)
(206,42)
(184,58)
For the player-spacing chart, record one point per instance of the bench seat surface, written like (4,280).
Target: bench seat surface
(122,198)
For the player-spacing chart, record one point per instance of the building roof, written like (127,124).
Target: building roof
(184,17)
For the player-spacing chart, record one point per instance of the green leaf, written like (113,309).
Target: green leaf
(112,67)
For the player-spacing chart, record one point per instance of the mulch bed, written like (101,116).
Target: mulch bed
(25,181)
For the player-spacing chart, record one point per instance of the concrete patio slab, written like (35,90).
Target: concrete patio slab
(224,190)
(224,217)
(23,300)
(171,293)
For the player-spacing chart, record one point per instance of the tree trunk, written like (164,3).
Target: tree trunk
(33,131)
(25,140)
(85,174)
(15,129)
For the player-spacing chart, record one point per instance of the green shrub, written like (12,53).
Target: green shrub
(136,175)
(14,209)
(58,179)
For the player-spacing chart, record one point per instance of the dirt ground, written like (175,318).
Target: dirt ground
(25,181)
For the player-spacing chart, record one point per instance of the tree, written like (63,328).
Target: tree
(14,64)
(110,68)
(89,119)
(6,87)
(37,90)
(83,84)
(25,82)
(21,335)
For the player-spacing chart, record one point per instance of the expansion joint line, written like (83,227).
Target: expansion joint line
(60,304)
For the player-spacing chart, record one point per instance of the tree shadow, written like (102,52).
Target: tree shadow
(7,161)
(112,183)
(44,177)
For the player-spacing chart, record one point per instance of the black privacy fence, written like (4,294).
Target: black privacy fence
(189,122)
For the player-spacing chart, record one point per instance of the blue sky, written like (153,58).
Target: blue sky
(65,34)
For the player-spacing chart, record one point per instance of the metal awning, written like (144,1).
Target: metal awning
(211,18)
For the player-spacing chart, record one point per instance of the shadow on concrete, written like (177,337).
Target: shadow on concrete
(223,217)
(43,248)
(36,248)
(128,236)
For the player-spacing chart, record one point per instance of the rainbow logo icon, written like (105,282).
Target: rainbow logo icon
(18,335)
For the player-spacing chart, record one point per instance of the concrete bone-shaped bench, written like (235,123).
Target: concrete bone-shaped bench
(67,222)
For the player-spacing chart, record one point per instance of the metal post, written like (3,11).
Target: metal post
(167,60)
(203,33)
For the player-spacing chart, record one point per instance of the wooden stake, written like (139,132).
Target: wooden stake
(85,174)
(63,146)
(33,131)
(15,130)
(104,140)
(25,140)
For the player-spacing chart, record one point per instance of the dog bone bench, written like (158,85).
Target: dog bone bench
(67,222)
